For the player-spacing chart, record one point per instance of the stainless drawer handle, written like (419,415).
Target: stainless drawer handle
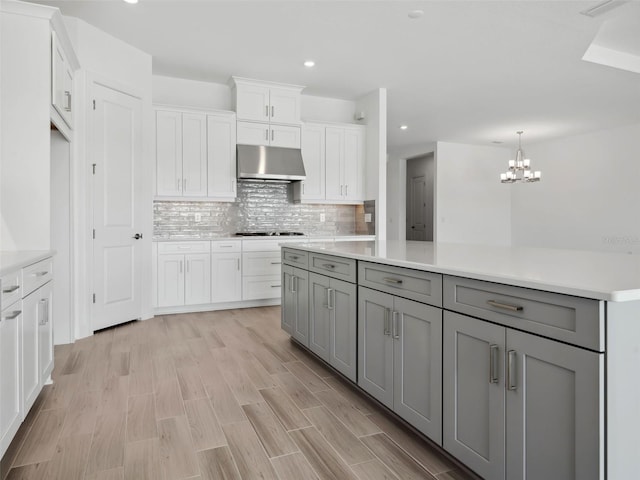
(511,370)
(330,300)
(184,247)
(10,289)
(396,325)
(387,322)
(226,246)
(395,281)
(13,315)
(276,286)
(493,363)
(294,257)
(328,265)
(40,274)
(276,263)
(505,306)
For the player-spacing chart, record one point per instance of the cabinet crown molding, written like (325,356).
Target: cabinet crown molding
(235,81)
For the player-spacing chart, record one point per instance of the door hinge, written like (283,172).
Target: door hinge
(94,168)
(94,233)
(94,298)
(94,104)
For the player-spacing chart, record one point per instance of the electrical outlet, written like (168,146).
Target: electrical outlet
(323,218)
(367,218)
(198,217)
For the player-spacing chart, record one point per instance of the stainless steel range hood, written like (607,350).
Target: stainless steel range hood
(270,163)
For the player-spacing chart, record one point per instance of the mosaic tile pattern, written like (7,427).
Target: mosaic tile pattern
(258,207)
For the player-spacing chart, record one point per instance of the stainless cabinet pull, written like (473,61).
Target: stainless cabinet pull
(341,189)
(184,184)
(346,190)
(180,266)
(294,257)
(188,262)
(395,281)
(493,363)
(512,374)
(272,134)
(40,274)
(42,311)
(276,263)
(303,188)
(276,286)
(184,247)
(273,111)
(396,325)
(330,304)
(387,321)
(12,315)
(226,246)
(10,289)
(178,184)
(238,264)
(328,265)
(505,306)
(266,110)
(292,287)
(266,134)
(67,94)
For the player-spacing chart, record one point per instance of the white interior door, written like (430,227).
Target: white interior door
(117,156)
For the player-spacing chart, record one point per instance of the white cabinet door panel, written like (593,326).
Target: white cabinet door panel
(334,151)
(194,155)
(250,133)
(221,152)
(45,331)
(170,280)
(252,103)
(29,346)
(10,408)
(169,153)
(285,106)
(226,277)
(353,163)
(284,136)
(197,279)
(313,186)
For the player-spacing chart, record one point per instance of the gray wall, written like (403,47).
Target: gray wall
(258,207)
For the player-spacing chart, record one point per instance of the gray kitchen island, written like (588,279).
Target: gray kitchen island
(520,362)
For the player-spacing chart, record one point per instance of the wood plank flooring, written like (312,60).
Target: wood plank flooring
(214,395)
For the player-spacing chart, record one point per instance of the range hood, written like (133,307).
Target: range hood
(269,163)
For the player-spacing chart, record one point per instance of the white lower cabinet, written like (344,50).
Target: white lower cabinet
(10,360)
(400,357)
(295,303)
(226,277)
(333,322)
(261,275)
(519,406)
(184,278)
(29,347)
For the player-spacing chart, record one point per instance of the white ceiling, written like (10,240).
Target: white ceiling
(467,71)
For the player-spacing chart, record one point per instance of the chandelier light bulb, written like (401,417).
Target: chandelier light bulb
(519,170)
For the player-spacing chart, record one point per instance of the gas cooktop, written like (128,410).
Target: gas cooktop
(268,234)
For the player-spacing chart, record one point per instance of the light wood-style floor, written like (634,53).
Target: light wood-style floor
(216,395)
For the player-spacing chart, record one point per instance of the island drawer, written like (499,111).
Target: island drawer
(575,320)
(332,266)
(36,275)
(296,258)
(425,287)
(184,247)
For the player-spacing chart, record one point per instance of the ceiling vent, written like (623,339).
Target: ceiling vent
(603,7)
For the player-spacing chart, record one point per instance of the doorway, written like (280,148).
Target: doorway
(419,201)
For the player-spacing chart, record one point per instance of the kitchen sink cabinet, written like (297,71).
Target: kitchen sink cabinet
(184,273)
(295,303)
(400,357)
(226,277)
(513,402)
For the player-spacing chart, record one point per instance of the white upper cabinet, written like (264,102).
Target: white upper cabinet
(268,113)
(353,166)
(312,188)
(221,155)
(334,151)
(61,80)
(195,154)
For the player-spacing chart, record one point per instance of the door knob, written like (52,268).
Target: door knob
(137,236)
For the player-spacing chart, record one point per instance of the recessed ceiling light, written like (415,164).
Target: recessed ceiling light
(131,1)
(413,14)
(403,127)
(309,63)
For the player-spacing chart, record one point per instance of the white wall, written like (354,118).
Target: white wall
(191,93)
(472,206)
(326,109)
(108,60)
(374,106)
(589,196)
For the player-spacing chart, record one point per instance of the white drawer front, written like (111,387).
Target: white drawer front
(36,275)
(270,245)
(257,288)
(226,246)
(261,263)
(184,247)
(11,288)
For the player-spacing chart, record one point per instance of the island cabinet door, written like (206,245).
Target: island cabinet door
(343,357)
(301,306)
(473,412)
(288,312)
(375,344)
(319,316)
(417,333)
(554,410)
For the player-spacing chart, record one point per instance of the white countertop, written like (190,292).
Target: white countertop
(267,237)
(12,261)
(597,275)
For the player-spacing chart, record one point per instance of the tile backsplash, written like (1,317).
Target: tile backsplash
(258,207)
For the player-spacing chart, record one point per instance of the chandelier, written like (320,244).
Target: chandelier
(520,168)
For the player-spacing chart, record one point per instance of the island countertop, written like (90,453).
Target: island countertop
(597,275)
